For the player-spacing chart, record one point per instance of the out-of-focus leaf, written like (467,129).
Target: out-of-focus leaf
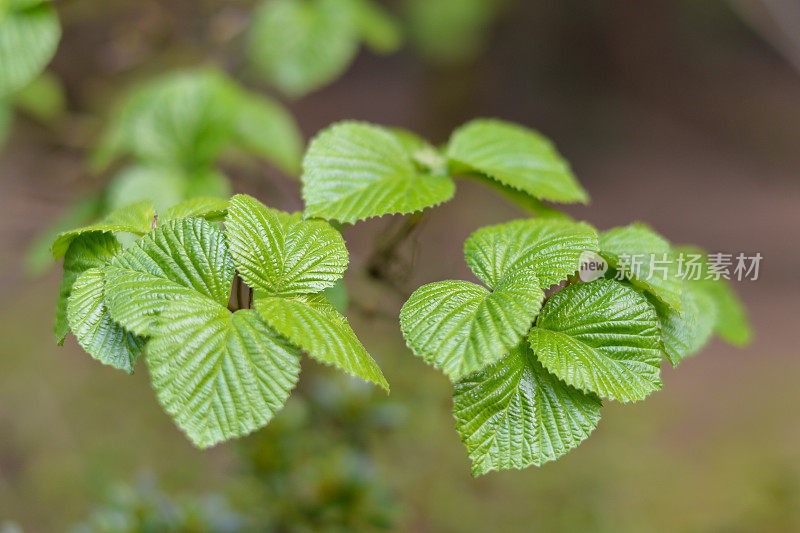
(39,256)
(646,258)
(29,34)
(450,32)
(164,186)
(302,45)
(6,121)
(379,30)
(43,98)
(182,119)
(686,331)
(265,128)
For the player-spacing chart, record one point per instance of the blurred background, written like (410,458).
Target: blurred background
(680,113)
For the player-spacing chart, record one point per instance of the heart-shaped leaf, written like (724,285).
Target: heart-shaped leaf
(220,375)
(515,413)
(182,258)
(601,337)
(515,156)
(283,254)
(354,170)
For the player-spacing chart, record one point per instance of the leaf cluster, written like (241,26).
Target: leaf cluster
(532,350)
(530,372)
(218,370)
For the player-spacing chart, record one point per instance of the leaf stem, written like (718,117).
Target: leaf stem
(238,292)
(385,253)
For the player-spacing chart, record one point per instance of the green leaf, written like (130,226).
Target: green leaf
(515,156)
(211,209)
(638,252)
(265,128)
(162,185)
(551,247)
(600,337)
(732,323)
(380,31)
(315,326)
(426,157)
(461,327)
(39,254)
(43,98)
(450,32)
(176,261)
(96,331)
(283,254)
(135,218)
(87,251)
(220,375)
(29,34)
(182,119)
(337,296)
(521,199)
(686,331)
(302,45)
(515,414)
(354,171)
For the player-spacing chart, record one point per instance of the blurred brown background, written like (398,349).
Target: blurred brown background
(683,114)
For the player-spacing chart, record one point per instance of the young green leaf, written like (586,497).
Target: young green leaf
(686,331)
(380,32)
(515,156)
(283,254)
(211,209)
(515,414)
(732,323)
(136,218)
(302,45)
(461,327)
(89,250)
(176,261)
(552,247)
(646,258)
(98,334)
(164,186)
(220,375)
(354,170)
(29,34)
(183,119)
(313,324)
(265,128)
(600,337)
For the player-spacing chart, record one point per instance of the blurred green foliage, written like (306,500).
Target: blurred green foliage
(310,470)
